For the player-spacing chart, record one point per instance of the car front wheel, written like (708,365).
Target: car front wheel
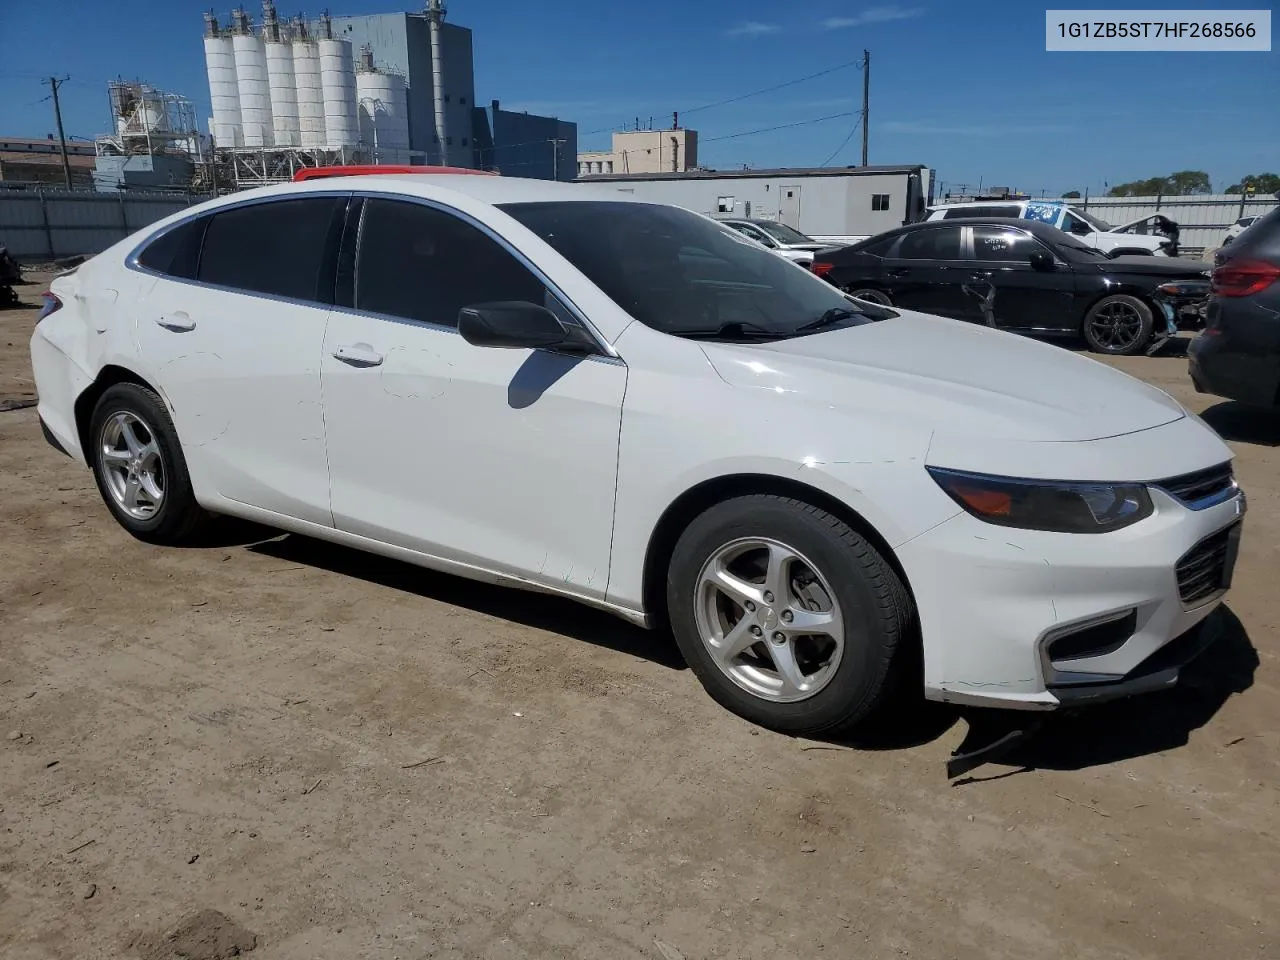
(139,467)
(1118,325)
(787,615)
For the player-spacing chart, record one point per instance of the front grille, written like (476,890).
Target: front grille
(1202,571)
(1203,485)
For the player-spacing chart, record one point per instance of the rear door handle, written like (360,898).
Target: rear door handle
(358,355)
(178,321)
(899,271)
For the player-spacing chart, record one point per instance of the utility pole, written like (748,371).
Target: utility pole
(555,159)
(866,100)
(54,83)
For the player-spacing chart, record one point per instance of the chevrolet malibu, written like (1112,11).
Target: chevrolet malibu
(623,403)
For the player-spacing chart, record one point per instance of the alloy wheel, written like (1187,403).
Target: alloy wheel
(132,466)
(1117,325)
(769,619)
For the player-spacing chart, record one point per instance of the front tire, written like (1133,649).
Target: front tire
(1118,325)
(788,616)
(138,464)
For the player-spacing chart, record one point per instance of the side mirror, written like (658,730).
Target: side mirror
(510,323)
(1041,261)
(1081,229)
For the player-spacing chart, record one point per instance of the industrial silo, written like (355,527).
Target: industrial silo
(224,94)
(284,96)
(384,115)
(251,78)
(306,75)
(338,86)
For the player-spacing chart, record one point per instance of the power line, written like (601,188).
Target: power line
(844,143)
(747,96)
(781,126)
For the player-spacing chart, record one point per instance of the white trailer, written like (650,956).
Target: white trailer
(835,205)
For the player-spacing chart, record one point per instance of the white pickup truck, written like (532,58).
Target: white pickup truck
(1155,235)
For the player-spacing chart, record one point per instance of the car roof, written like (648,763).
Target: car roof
(989,203)
(492,190)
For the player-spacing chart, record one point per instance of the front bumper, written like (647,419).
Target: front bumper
(1034,620)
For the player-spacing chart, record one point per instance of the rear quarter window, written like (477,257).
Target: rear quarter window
(176,252)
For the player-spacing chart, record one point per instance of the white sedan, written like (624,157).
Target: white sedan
(620,402)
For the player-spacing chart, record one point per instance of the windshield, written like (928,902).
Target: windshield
(1075,249)
(686,275)
(1096,222)
(782,233)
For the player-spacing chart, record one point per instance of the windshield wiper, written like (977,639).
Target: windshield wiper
(730,331)
(834,315)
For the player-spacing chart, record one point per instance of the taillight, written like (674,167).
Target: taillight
(51,304)
(1243,278)
(821,269)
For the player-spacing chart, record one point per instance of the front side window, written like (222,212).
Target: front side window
(748,230)
(276,248)
(939,243)
(1003,243)
(420,263)
(685,274)
(880,201)
(176,253)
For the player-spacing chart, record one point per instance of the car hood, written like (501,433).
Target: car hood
(950,377)
(1133,223)
(1156,266)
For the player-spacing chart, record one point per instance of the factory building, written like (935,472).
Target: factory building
(393,88)
(644,151)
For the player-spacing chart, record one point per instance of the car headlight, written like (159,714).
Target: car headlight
(1051,505)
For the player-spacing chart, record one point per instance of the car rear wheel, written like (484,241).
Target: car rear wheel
(870,293)
(139,467)
(1118,325)
(787,615)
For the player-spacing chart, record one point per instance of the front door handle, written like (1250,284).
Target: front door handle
(178,321)
(981,275)
(358,355)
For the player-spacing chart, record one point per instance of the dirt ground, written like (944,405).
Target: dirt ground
(271,744)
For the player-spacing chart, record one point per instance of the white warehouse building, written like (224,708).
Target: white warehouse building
(835,204)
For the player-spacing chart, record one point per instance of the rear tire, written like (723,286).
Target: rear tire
(871,294)
(1118,325)
(138,464)
(789,617)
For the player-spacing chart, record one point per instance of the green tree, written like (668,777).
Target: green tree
(1182,183)
(1265,184)
(1071,195)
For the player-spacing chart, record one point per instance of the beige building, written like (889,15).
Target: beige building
(644,151)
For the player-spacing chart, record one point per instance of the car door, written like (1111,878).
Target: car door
(231,332)
(923,271)
(1001,278)
(503,459)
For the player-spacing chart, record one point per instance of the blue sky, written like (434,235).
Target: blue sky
(965,88)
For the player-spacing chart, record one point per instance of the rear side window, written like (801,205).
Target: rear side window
(421,263)
(281,247)
(991,210)
(176,252)
(941,243)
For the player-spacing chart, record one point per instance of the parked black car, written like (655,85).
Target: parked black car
(1238,355)
(1024,276)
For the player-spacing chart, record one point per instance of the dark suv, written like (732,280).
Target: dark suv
(1238,354)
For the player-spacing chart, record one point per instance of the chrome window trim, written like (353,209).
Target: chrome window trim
(603,345)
